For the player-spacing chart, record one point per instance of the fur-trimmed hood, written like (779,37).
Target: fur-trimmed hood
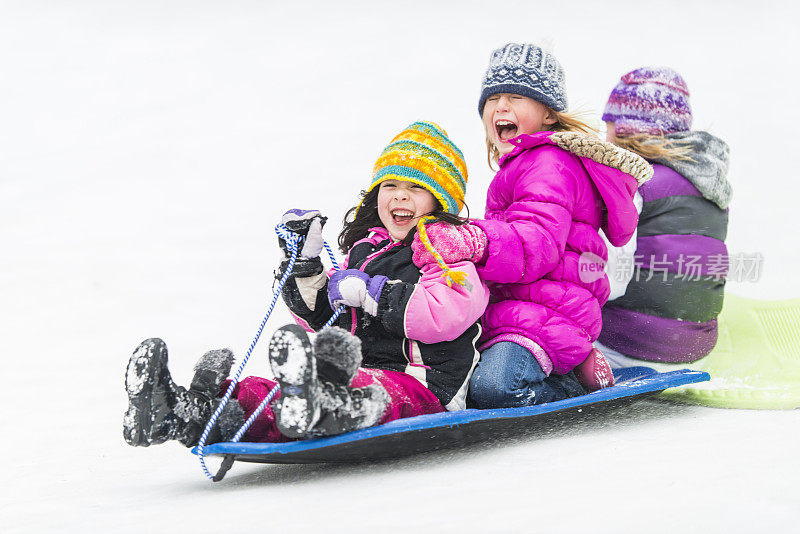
(616,173)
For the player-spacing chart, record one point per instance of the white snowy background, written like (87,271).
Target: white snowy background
(147,150)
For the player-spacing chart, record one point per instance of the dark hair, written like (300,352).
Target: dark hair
(367,217)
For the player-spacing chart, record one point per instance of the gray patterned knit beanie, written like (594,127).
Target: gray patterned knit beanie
(527,70)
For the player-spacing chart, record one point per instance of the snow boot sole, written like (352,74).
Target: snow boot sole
(292,360)
(145,368)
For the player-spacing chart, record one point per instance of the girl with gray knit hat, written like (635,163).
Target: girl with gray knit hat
(668,311)
(541,252)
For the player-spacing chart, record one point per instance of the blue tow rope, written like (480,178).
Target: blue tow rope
(291,239)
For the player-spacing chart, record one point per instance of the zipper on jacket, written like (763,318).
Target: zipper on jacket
(376,254)
(410,356)
(353,322)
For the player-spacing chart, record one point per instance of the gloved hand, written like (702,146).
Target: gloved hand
(454,243)
(357,289)
(308,225)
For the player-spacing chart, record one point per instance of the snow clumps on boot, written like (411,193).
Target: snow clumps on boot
(210,371)
(344,408)
(338,355)
(158,409)
(316,399)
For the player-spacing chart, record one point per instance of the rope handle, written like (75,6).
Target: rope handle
(292,239)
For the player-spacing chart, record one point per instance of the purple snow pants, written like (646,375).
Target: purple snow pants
(408,398)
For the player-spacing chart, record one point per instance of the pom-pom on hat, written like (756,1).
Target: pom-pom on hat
(527,70)
(423,154)
(649,100)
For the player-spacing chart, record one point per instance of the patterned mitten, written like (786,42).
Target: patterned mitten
(454,243)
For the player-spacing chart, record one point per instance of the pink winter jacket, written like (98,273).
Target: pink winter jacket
(544,260)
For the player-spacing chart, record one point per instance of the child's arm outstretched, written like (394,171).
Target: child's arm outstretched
(428,311)
(528,240)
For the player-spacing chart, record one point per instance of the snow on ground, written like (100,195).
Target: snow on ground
(149,147)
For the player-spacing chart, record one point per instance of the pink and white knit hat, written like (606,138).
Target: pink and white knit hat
(649,100)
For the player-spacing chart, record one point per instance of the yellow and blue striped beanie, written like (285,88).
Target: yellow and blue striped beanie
(423,154)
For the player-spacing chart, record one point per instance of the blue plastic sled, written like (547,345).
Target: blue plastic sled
(443,430)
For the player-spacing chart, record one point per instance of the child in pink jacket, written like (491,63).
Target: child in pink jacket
(404,345)
(539,248)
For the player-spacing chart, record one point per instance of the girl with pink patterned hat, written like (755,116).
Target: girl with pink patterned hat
(668,310)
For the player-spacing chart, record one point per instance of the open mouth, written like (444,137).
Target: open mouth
(402,215)
(505,129)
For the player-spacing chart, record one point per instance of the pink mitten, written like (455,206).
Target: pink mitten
(454,243)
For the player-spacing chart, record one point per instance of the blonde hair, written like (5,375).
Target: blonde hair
(565,122)
(654,147)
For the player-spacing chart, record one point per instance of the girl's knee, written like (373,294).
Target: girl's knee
(481,392)
(491,390)
(504,376)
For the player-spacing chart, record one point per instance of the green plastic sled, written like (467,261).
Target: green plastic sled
(756,363)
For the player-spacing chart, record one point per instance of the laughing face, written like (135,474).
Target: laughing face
(506,115)
(401,204)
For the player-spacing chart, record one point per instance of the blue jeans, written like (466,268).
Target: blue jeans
(508,376)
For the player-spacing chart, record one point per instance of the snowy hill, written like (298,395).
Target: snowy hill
(148,148)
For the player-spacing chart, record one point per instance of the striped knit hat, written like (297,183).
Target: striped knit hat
(423,154)
(649,100)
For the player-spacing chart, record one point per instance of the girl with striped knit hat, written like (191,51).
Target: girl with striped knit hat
(678,259)
(404,346)
(539,247)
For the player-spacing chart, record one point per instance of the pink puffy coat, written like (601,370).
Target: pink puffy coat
(544,260)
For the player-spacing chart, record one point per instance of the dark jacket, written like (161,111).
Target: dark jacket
(423,327)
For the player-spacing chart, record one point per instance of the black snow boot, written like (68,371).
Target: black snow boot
(316,398)
(158,409)
(230,420)
(346,408)
(142,378)
(210,372)
(195,405)
(338,354)
(291,357)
